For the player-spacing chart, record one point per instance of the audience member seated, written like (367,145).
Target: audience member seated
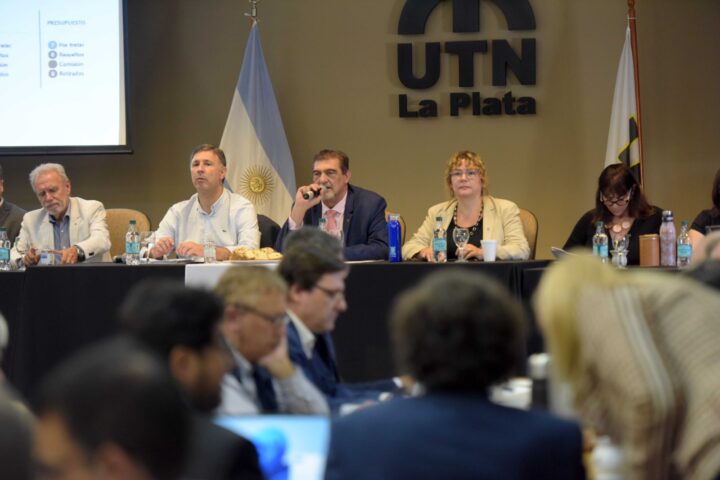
(456,345)
(622,207)
(707,218)
(641,352)
(315,273)
(71,227)
(212,214)
(10,214)
(111,411)
(263,379)
(181,325)
(471,207)
(358,213)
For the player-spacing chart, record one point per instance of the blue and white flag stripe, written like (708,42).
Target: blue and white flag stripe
(260,166)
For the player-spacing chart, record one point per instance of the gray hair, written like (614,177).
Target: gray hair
(46,168)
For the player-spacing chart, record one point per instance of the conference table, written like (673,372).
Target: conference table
(54,310)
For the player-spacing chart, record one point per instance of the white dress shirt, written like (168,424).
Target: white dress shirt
(231,223)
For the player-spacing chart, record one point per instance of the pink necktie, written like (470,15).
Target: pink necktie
(331,216)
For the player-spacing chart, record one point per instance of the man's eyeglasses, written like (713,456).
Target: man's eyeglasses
(332,294)
(619,201)
(468,173)
(276,320)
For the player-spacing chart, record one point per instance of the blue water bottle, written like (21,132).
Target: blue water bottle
(395,250)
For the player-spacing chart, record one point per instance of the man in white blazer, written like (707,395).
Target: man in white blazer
(71,227)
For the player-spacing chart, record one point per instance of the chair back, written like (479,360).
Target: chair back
(117,221)
(402,225)
(269,231)
(530,228)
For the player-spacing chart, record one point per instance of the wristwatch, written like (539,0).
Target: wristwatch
(80,252)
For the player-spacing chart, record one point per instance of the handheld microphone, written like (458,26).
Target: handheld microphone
(312,193)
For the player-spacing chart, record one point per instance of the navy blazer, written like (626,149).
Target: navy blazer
(443,435)
(364,225)
(323,373)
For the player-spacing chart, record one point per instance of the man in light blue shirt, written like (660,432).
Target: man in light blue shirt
(213,214)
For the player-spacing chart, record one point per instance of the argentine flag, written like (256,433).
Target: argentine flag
(260,166)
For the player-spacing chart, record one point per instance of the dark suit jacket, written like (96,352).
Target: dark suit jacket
(218,454)
(322,371)
(364,225)
(11,218)
(453,436)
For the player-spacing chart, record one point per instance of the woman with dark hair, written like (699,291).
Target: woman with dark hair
(707,218)
(622,207)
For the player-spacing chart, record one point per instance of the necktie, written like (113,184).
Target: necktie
(265,390)
(331,217)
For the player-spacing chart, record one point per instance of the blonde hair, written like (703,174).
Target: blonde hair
(472,159)
(243,285)
(556,306)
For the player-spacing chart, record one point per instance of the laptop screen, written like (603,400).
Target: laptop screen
(291,447)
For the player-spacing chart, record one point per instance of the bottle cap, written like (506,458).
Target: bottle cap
(667,215)
(132,222)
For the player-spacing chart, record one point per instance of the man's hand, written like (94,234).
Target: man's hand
(32,257)
(68,256)
(301,205)
(163,246)
(190,249)
(278,362)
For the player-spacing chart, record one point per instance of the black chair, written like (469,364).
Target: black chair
(269,231)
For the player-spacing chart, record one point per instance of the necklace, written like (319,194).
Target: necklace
(474,227)
(621,227)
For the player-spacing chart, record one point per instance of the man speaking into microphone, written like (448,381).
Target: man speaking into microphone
(358,213)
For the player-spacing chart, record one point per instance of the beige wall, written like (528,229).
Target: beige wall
(333,66)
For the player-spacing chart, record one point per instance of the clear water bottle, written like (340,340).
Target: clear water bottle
(684,247)
(132,245)
(4,250)
(600,242)
(209,251)
(439,242)
(667,240)
(394,237)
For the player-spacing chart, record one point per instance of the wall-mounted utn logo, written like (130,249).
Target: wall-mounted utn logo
(503,59)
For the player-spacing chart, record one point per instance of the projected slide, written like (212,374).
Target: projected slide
(62,73)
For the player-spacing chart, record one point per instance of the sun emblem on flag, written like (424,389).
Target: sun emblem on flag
(257,184)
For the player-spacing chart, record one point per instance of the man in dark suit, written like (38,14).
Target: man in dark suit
(10,214)
(358,213)
(457,334)
(315,273)
(182,325)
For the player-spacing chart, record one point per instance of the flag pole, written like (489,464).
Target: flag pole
(253,11)
(636,71)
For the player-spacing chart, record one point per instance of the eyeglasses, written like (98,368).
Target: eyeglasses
(330,173)
(468,173)
(332,294)
(620,202)
(277,320)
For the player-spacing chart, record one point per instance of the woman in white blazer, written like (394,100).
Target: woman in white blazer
(487,217)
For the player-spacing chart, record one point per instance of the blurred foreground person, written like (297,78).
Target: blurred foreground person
(263,379)
(181,325)
(456,345)
(112,411)
(641,352)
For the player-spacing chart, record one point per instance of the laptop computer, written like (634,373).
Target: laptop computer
(290,447)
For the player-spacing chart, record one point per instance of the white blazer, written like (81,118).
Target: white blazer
(88,230)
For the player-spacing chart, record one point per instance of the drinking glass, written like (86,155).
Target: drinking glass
(461,237)
(147,242)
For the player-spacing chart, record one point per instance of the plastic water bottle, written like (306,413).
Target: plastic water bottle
(209,251)
(684,247)
(667,240)
(600,243)
(439,242)
(132,245)
(394,237)
(538,371)
(4,250)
